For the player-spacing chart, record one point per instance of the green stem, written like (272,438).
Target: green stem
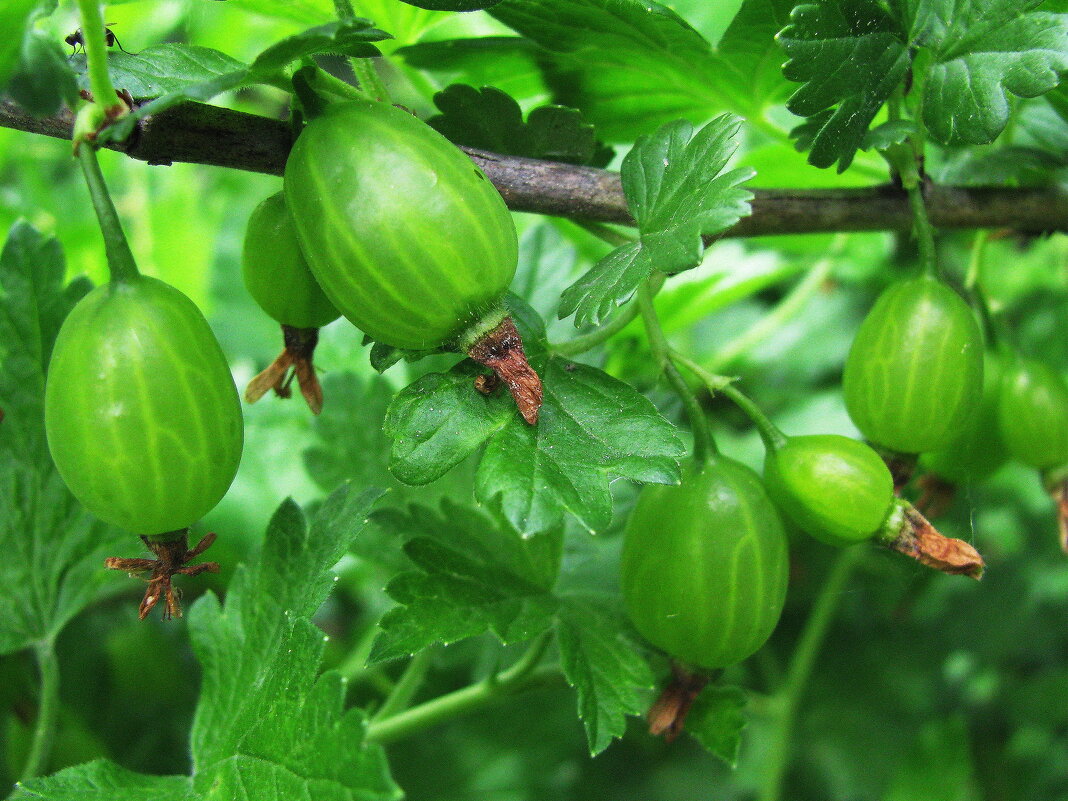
(344,10)
(704,445)
(325,82)
(585,342)
(975,261)
(789,307)
(468,699)
(407,685)
(771,435)
(801,666)
(363,68)
(121,262)
(921,223)
(369,79)
(96,53)
(47,711)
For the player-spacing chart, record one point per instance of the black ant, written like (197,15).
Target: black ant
(76,40)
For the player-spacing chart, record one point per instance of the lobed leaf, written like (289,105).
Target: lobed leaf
(677,191)
(716,720)
(849,55)
(982,54)
(590,426)
(54,547)
(490,119)
(611,677)
(473,574)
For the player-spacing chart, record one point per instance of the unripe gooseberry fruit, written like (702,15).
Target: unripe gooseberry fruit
(275,272)
(1033,414)
(835,488)
(914,374)
(977,449)
(408,238)
(279,280)
(143,421)
(704,565)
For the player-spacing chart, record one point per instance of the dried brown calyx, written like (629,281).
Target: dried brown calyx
(501,350)
(172,557)
(667,715)
(909,532)
(294,361)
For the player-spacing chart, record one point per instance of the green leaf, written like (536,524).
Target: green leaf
(14,22)
(749,61)
(628,64)
(53,547)
(981,55)
(166,68)
(33,305)
(265,726)
(510,63)
(474,574)
(716,720)
(192,73)
(590,426)
(349,38)
(44,79)
(849,55)
(105,781)
(347,452)
(609,674)
(677,192)
(491,120)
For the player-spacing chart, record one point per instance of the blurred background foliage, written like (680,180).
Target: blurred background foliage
(928,686)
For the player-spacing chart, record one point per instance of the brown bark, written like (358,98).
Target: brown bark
(204,134)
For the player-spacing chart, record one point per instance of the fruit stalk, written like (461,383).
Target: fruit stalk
(121,261)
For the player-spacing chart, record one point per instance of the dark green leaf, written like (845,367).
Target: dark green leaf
(265,726)
(14,20)
(850,55)
(716,720)
(54,548)
(106,781)
(491,120)
(474,573)
(591,426)
(676,192)
(452,5)
(981,55)
(44,79)
(611,677)
(438,421)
